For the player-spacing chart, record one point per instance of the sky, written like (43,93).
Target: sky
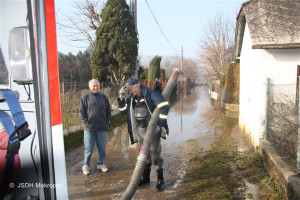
(178,24)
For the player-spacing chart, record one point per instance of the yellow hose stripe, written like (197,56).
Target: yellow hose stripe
(162,104)
(163,116)
(124,108)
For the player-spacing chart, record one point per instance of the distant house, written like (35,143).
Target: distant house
(268,48)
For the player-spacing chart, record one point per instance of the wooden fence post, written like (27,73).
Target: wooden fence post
(62,90)
(74,89)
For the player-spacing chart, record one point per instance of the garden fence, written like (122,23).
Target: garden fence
(281,124)
(70,99)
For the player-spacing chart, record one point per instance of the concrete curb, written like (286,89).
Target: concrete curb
(285,176)
(72,129)
(79,127)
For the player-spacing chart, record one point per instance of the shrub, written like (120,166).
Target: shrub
(232,83)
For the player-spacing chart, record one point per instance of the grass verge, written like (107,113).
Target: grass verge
(221,174)
(75,139)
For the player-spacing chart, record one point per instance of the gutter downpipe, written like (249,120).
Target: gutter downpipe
(141,159)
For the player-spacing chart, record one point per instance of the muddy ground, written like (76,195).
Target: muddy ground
(200,128)
(112,184)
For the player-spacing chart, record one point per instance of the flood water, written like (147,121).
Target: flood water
(191,117)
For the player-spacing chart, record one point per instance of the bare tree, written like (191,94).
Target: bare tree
(67,69)
(81,25)
(190,67)
(169,63)
(216,46)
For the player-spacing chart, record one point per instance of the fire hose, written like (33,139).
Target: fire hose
(142,157)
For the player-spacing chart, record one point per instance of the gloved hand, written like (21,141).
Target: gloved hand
(122,92)
(157,130)
(164,132)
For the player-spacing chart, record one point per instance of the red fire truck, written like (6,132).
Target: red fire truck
(29,90)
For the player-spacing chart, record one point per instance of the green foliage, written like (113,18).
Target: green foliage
(83,62)
(142,73)
(116,48)
(222,80)
(162,74)
(75,68)
(154,68)
(232,83)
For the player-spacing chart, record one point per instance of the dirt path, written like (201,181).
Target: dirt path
(111,185)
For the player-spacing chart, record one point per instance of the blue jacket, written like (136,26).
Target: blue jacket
(153,99)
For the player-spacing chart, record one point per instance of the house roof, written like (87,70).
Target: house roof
(272,24)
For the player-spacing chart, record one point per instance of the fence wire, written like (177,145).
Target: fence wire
(282,119)
(71,94)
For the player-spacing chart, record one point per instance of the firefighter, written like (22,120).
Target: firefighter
(139,106)
(157,85)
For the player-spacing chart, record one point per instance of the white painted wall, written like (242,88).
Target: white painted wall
(250,61)
(256,65)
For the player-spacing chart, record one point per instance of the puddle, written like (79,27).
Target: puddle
(191,118)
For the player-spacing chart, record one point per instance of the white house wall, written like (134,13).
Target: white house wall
(281,65)
(256,65)
(250,84)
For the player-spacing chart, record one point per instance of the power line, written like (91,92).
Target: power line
(160,27)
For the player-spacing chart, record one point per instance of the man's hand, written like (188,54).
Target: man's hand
(164,133)
(122,92)
(157,130)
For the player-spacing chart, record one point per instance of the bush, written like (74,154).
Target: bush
(154,68)
(232,83)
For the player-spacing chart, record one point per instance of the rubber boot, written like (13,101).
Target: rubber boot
(146,175)
(160,186)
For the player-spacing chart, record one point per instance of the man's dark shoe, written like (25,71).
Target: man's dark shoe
(144,180)
(160,186)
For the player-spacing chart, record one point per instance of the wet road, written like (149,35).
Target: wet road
(189,118)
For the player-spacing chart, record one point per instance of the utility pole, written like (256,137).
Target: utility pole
(181,89)
(181,67)
(133,10)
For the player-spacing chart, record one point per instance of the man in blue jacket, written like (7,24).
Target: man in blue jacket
(139,106)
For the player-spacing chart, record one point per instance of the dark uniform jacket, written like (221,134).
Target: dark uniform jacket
(153,99)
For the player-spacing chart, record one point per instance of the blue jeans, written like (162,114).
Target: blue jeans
(89,140)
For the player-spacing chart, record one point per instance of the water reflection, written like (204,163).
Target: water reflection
(119,140)
(187,103)
(190,116)
(185,120)
(229,119)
